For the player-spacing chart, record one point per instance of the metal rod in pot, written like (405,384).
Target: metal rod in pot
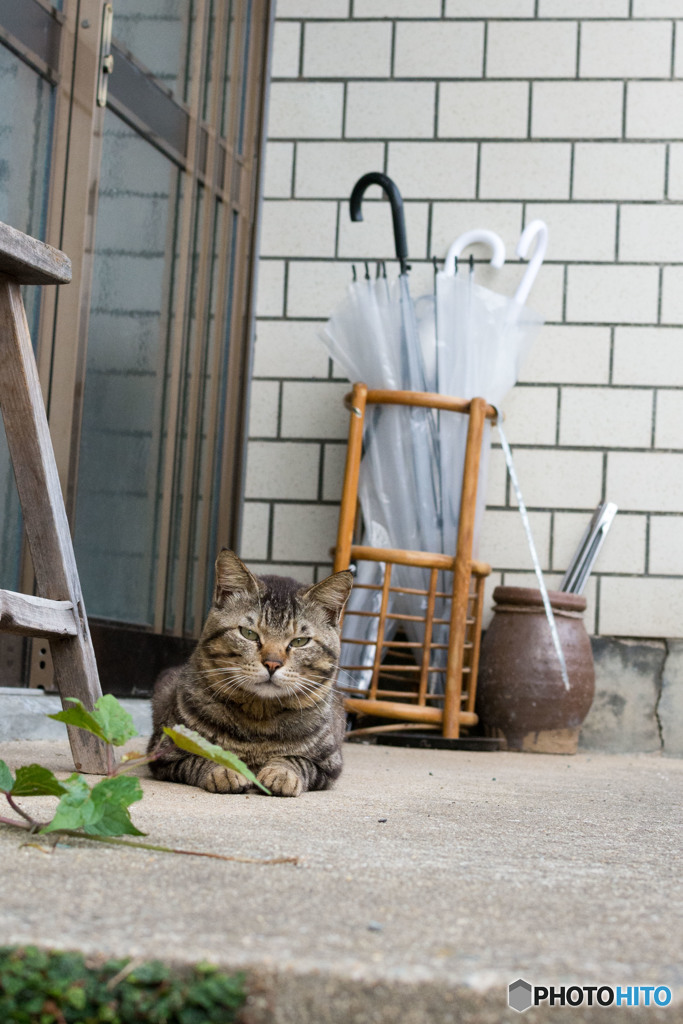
(579,569)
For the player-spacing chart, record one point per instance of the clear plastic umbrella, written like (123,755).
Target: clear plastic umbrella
(374,337)
(482,339)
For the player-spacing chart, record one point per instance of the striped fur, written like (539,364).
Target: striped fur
(268,701)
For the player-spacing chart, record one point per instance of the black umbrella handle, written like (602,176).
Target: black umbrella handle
(397,215)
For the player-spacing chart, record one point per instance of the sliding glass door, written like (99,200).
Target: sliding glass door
(142,163)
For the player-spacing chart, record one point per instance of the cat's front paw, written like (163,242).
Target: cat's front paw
(224,780)
(280,780)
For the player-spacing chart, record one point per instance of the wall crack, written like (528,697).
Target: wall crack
(659,685)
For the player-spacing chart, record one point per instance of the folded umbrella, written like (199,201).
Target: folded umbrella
(374,337)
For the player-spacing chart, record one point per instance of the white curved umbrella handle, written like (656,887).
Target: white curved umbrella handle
(490,238)
(537,230)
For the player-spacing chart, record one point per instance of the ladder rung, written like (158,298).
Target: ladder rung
(36,616)
(30,261)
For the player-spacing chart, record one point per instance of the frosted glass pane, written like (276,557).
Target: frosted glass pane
(122,436)
(157,34)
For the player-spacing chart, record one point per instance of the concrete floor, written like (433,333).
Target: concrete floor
(426,882)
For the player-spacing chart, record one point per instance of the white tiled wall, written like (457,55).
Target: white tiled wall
(488,113)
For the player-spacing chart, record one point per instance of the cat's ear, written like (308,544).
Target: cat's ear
(332,593)
(233,577)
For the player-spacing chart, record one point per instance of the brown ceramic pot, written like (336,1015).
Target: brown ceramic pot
(520,692)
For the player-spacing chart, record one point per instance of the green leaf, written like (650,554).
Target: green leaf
(100,811)
(75,808)
(188,739)
(113,797)
(81,718)
(108,720)
(116,722)
(6,780)
(35,780)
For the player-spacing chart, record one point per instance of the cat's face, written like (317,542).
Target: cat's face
(270,637)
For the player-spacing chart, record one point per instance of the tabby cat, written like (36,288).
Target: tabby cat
(260,684)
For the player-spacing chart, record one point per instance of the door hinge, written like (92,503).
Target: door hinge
(106,57)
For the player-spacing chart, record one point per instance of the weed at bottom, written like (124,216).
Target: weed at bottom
(45,987)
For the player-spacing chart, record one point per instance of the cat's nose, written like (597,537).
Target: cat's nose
(273,666)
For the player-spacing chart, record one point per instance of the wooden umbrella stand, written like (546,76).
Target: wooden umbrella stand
(399,687)
(57,612)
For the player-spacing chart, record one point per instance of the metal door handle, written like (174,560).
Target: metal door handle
(106,57)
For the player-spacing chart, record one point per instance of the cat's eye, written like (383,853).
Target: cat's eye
(248,634)
(299,641)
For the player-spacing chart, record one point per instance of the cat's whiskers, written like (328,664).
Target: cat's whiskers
(224,673)
(349,678)
(224,687)
(226,690)
(310,691)
(221,682)
(291,690)
(298,698)
(313,676)
(312,684)
(222,668)
(303,689)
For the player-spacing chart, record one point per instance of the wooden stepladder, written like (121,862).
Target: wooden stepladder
(57,612)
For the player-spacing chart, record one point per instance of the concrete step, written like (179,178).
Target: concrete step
(427,882)
(23,714)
